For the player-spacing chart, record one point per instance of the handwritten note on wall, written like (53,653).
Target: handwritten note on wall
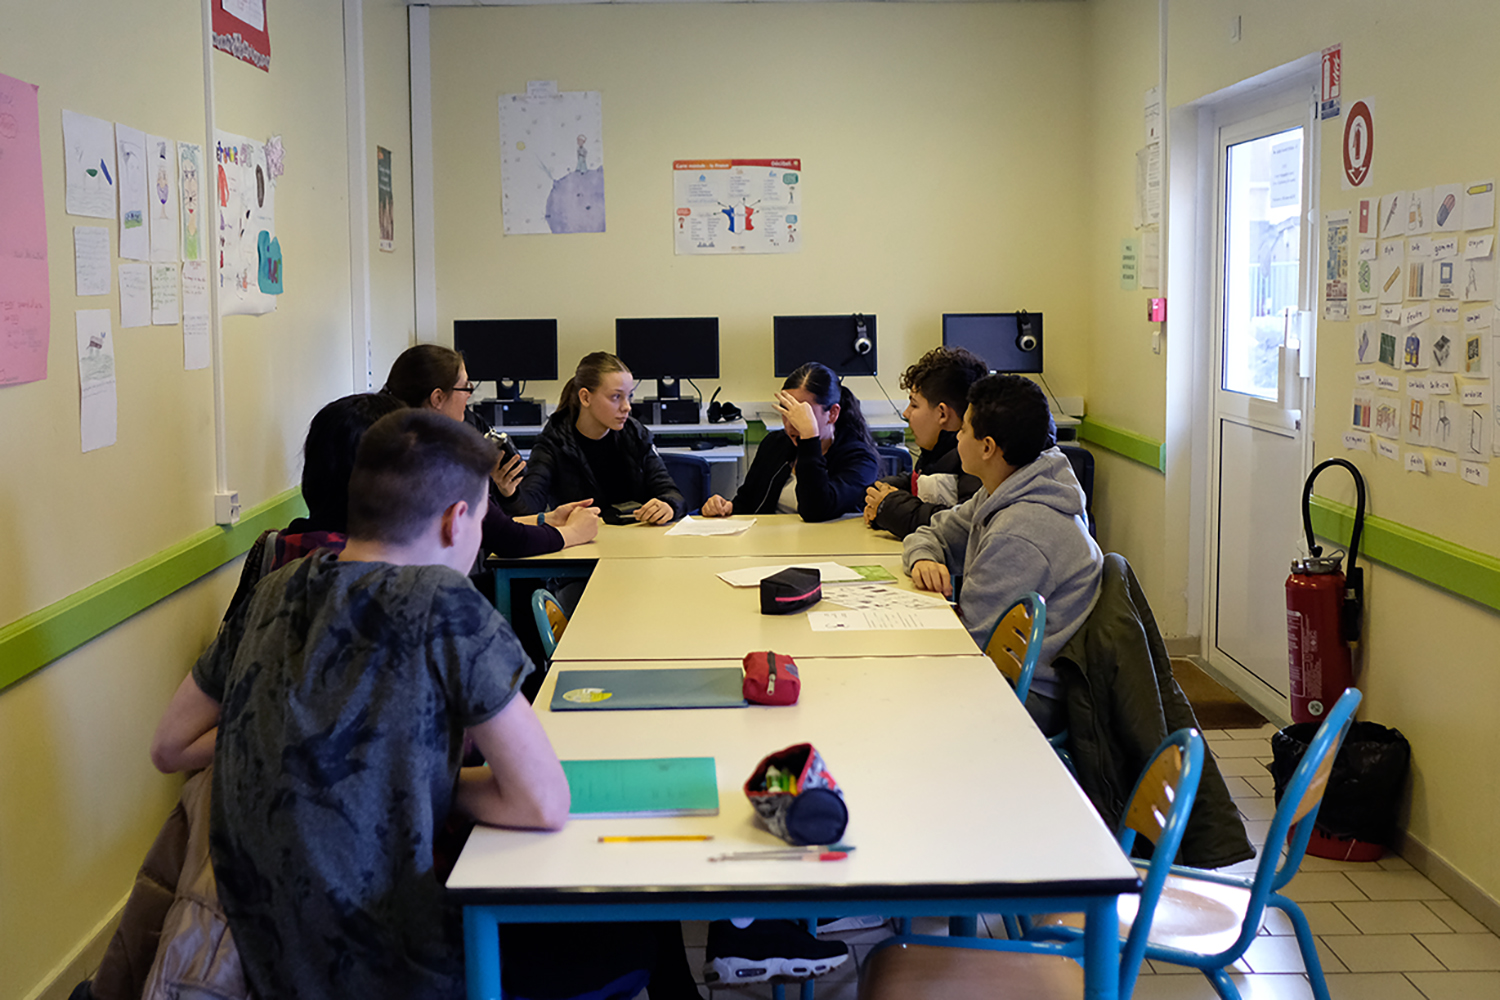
(25,308)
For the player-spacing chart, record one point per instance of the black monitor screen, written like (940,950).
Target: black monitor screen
(844,343)
(1007,342)
(677,347)
(516,349)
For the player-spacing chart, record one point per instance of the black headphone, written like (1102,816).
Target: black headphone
(722,412)
(1026,339)
(862,343)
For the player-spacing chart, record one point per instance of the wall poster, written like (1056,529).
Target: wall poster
(737,206)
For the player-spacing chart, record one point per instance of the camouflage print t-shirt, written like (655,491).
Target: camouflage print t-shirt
(345,689)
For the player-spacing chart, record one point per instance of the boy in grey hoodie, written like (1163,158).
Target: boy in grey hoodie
(1025,529)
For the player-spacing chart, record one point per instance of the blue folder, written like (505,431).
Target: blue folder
(609,690)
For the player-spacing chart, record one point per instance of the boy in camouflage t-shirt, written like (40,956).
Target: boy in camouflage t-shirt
(343,690)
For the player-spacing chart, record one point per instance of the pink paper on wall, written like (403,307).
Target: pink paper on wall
(25,308)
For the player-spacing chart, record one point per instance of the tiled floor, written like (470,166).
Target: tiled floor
(1384,931)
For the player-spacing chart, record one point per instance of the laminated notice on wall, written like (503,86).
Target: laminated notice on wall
(737,206)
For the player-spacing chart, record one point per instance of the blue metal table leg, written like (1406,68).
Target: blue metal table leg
(481,953)
(1101,950)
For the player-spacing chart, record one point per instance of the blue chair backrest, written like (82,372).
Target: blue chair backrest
(544,608)
(691,474)
(1082,461)
(1163,819)
(895,460)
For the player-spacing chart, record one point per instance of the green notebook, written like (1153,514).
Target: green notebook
(659,786)
(688,687)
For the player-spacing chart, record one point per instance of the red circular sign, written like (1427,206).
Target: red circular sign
(1359,144)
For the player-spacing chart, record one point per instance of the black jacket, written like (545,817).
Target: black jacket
(828,486)
(557,471)
(1122,702)
(902,512)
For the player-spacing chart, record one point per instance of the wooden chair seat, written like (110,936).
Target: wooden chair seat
(925,972)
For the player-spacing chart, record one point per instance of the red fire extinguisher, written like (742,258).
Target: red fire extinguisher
(1323,612)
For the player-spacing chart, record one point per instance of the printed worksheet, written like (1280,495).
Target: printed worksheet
(899,620)
(880,597)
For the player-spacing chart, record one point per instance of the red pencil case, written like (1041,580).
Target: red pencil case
(771,679)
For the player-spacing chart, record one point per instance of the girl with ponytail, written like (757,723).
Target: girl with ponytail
(593,448)
(818,464)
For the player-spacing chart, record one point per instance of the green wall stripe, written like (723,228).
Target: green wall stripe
(1136,447)
(1427,557)
(39,638)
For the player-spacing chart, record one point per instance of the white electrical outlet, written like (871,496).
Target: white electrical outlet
(227,507)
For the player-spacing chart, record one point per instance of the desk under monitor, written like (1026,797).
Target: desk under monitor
(956,805)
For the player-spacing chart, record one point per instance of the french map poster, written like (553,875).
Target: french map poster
(737,206)
(552,162)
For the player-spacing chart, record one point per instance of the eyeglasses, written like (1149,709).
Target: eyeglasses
(468,387)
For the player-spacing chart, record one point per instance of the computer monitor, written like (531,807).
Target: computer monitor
(669,349)
(845,343)
(1007,342)
(508,352)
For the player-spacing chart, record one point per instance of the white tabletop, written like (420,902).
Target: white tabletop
(770,535)
(951,789)
(678,609)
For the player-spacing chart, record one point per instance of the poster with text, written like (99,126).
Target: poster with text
(737,206)
(250,267)
(25,300)
(240,29)
(552,163)
(385,202)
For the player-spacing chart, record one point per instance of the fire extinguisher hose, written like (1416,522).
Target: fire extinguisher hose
(1354,582)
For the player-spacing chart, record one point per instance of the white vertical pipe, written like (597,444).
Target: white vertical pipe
(423,228)
(359,193)
(206,188)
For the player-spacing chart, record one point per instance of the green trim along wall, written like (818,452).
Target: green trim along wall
(1136,447)
(50,633)
(1428,558)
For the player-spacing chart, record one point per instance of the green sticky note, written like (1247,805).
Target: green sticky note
(874,573)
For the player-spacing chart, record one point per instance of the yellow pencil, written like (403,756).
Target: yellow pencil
(656,837)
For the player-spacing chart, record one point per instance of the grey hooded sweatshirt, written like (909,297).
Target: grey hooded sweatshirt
(1030,535)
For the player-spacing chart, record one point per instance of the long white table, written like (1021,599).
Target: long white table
(636,609)
(774,535)
(956,803)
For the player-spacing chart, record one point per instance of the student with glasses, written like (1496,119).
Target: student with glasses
(434,377)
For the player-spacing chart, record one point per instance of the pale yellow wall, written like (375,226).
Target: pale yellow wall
(79,801)
(388,124)
(942,154)
(1428,662)
(1127,381)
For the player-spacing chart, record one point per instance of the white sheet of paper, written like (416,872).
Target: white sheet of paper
(1447,208)
(1416,462)
(883,621)
(1479,280)
(135,295)
(91,263)
(1356,441)
(1474,473)
(1479,204)
(880,597)
(1393,215)
(750,576)
(1388,449)
(130,154)
(709,526)
(196,349)
(97,409)
(1419,211)
(1444,463)
(89,149)
(1391,270)
(161,177)
(166,307)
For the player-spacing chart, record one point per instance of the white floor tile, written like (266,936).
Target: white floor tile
(1243,767)
(1464,952)
(1322,887)
(1281,954)
(1382,953)
(1371,986)
(1396,885)
(1312,864)
(1240,788)
(1456,917)
(1196,987)
(1240,748)
(1457,985)
(1325,918)
(1407,916)
(1264,733)
(1257,808)
(1395,863)
(1262,783)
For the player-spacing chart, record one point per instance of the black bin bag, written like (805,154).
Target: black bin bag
(1364,787)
